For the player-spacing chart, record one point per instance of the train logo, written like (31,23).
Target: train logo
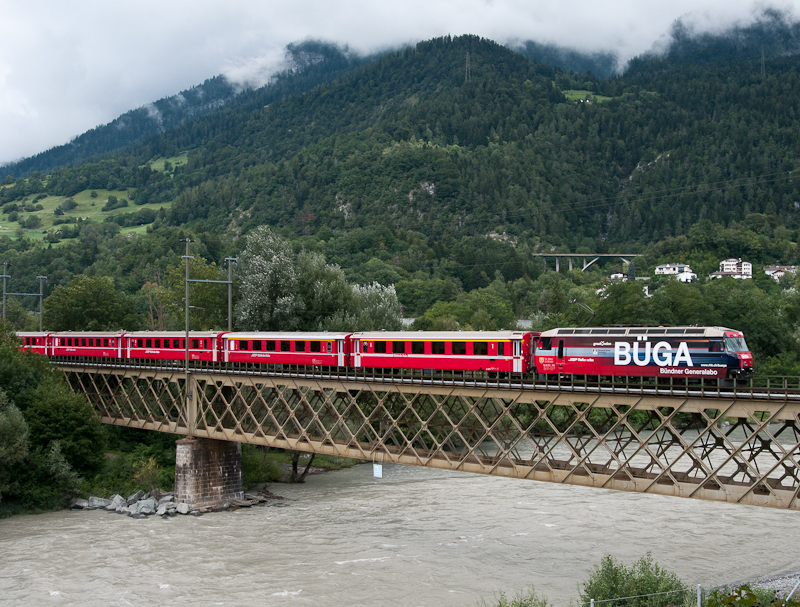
(660,354)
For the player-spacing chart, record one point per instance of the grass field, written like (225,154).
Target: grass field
(158,163)
(576,95)
(87,207)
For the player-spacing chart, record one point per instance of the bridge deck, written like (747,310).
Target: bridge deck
(714,444)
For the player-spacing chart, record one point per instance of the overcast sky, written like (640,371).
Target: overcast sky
(66,67)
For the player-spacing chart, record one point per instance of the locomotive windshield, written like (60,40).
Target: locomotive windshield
(736,344)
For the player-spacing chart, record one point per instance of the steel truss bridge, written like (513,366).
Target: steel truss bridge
(738,444)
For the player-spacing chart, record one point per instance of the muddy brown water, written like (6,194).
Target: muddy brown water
(415,537)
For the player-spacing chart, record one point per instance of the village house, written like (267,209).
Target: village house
(734,268)
(680,271)
(778,272)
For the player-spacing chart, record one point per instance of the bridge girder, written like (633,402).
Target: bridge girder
(723,449)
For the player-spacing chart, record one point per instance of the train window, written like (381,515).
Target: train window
(330,347)
(398,347)
(195,344)
(257,343)
(480,348)
(299,346)
(176,343)
(244,345)
(69,341)
(285,346)
(459,348)
(148,343)
(715,345)
(314,346)
(380,347)
(105,342)
(158,343)
(83,342)
(270,343)
(437,347)
(501,348)
(91,342)
(418,347)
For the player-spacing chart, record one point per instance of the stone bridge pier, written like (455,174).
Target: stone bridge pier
(208,472)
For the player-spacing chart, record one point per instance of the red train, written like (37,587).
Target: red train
(693,352)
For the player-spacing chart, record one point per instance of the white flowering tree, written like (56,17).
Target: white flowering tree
(279,291)
(267,284)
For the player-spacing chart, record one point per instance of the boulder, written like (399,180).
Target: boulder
(162,510)
(135,497)
(136,515)
(116,502)
(79,504)
(166,499)
(196,513)
(147,506)
(183,508)
(96,503)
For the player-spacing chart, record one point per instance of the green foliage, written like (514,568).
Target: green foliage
(88,303)
(13,440)
(65,480)
(257,467)
(520,599)
(56,413)
(281,291)
(747,596)
(612,580)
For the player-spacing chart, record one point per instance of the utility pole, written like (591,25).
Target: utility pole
(188,259)
(5,275)
(42,280)
(231,261)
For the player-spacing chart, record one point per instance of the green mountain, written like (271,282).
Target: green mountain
(442,168)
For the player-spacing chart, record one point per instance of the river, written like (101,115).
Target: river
(416,537)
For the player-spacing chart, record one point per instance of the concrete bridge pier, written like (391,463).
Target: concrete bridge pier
(208,472)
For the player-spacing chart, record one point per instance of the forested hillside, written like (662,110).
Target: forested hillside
(441,169)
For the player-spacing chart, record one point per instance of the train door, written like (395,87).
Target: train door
(340,352)
(357,353)
(517,354)
(560,355)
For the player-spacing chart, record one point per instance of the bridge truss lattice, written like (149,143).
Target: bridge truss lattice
(726,449)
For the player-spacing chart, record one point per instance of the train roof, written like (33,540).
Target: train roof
(321,335)
(441,335)
(173,333)
(666,331)
(88,333)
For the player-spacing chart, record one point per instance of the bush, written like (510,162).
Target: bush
(745,596)
(256,468)
(613,580)
(527,599)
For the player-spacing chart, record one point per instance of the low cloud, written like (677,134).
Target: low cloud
(86,62)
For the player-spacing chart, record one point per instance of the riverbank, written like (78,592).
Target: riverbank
(781,585)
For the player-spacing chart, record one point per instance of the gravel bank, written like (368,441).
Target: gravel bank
(782,585)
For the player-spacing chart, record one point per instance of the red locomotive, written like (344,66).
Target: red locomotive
(694,352)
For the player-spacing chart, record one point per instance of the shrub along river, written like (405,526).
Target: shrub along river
(414,537)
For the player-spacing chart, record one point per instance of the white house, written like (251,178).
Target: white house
(778,272)
(735,268)
(680,271)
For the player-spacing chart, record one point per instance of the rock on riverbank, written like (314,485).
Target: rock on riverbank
(141,505)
